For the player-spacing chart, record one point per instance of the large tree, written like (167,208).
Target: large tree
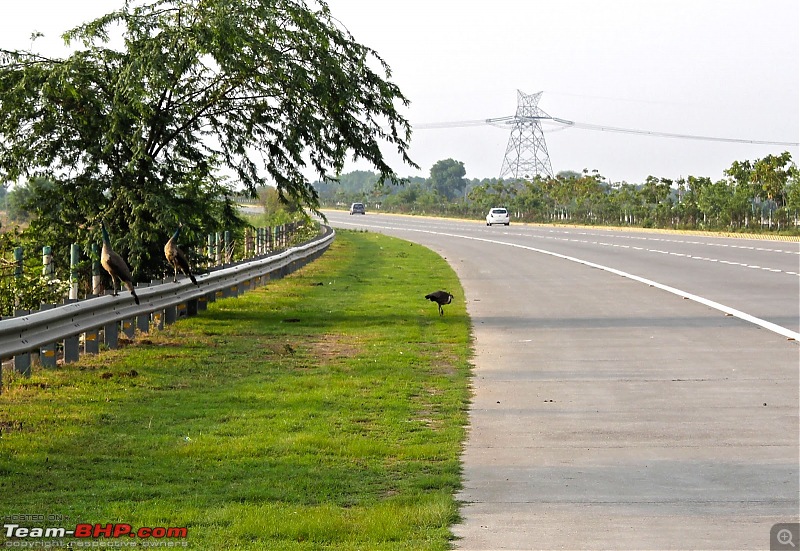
(161,108)
(447,178)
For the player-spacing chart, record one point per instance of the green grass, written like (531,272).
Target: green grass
(324,411)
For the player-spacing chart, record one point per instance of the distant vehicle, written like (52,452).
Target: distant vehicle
(357,208)
(498,216)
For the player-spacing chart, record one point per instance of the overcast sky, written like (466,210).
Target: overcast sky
(727,68)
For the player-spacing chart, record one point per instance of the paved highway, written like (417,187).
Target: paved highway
(632,390)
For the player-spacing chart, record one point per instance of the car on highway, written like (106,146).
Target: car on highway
(358,208)
(498,215)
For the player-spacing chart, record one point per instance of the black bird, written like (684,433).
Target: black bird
(176,257)
(115,266)
(441,298)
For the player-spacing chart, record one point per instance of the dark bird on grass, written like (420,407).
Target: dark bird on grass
(441,298)
(176,257)
(115,266)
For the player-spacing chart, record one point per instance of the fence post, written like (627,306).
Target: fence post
(209,250)
(248,243)
(19,256)
(47,261)
(74,258)
(228,249)
(96,280)
(217,255)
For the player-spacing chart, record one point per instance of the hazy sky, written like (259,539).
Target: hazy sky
(727,68)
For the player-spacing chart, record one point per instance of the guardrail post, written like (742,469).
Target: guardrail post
(143,323)
(91,342)
(47,352)
(71,349)
(170,314)
(192,307)
(97,281)
(202,303)
(22,362)
(74,258)
(158,320)
(128,328)
(111,334)
(72,342)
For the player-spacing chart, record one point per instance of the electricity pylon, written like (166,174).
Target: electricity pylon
(526,154)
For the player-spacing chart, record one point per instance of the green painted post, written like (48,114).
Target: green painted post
(19,257)
(47,261)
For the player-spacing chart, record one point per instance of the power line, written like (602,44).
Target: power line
(510,120)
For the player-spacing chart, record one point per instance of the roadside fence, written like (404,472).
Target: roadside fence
(61,333)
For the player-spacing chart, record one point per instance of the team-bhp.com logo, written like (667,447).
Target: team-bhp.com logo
(90,531)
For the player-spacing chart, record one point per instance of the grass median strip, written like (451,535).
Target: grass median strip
(324,411)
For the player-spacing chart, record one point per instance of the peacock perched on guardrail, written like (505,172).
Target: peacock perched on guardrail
(115,265)
(176,257)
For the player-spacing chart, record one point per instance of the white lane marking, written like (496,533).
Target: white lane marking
(658,251)
(665,240)
(775,328)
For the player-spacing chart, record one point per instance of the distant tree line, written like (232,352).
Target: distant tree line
(752,196)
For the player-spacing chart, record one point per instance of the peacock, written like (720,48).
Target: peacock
(441,298)
(115,266)
(176,257)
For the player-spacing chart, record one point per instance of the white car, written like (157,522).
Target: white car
(498,216)
(358,208)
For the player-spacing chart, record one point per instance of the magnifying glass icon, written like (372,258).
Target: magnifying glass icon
(785,537)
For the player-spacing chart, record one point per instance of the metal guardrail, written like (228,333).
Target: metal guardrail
(40,331)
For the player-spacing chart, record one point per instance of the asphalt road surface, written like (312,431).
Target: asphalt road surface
(632,390)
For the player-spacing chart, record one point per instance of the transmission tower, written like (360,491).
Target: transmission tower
(526,154)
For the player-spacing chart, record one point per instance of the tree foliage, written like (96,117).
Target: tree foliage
(447,178)
(199,92)
(762,194)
